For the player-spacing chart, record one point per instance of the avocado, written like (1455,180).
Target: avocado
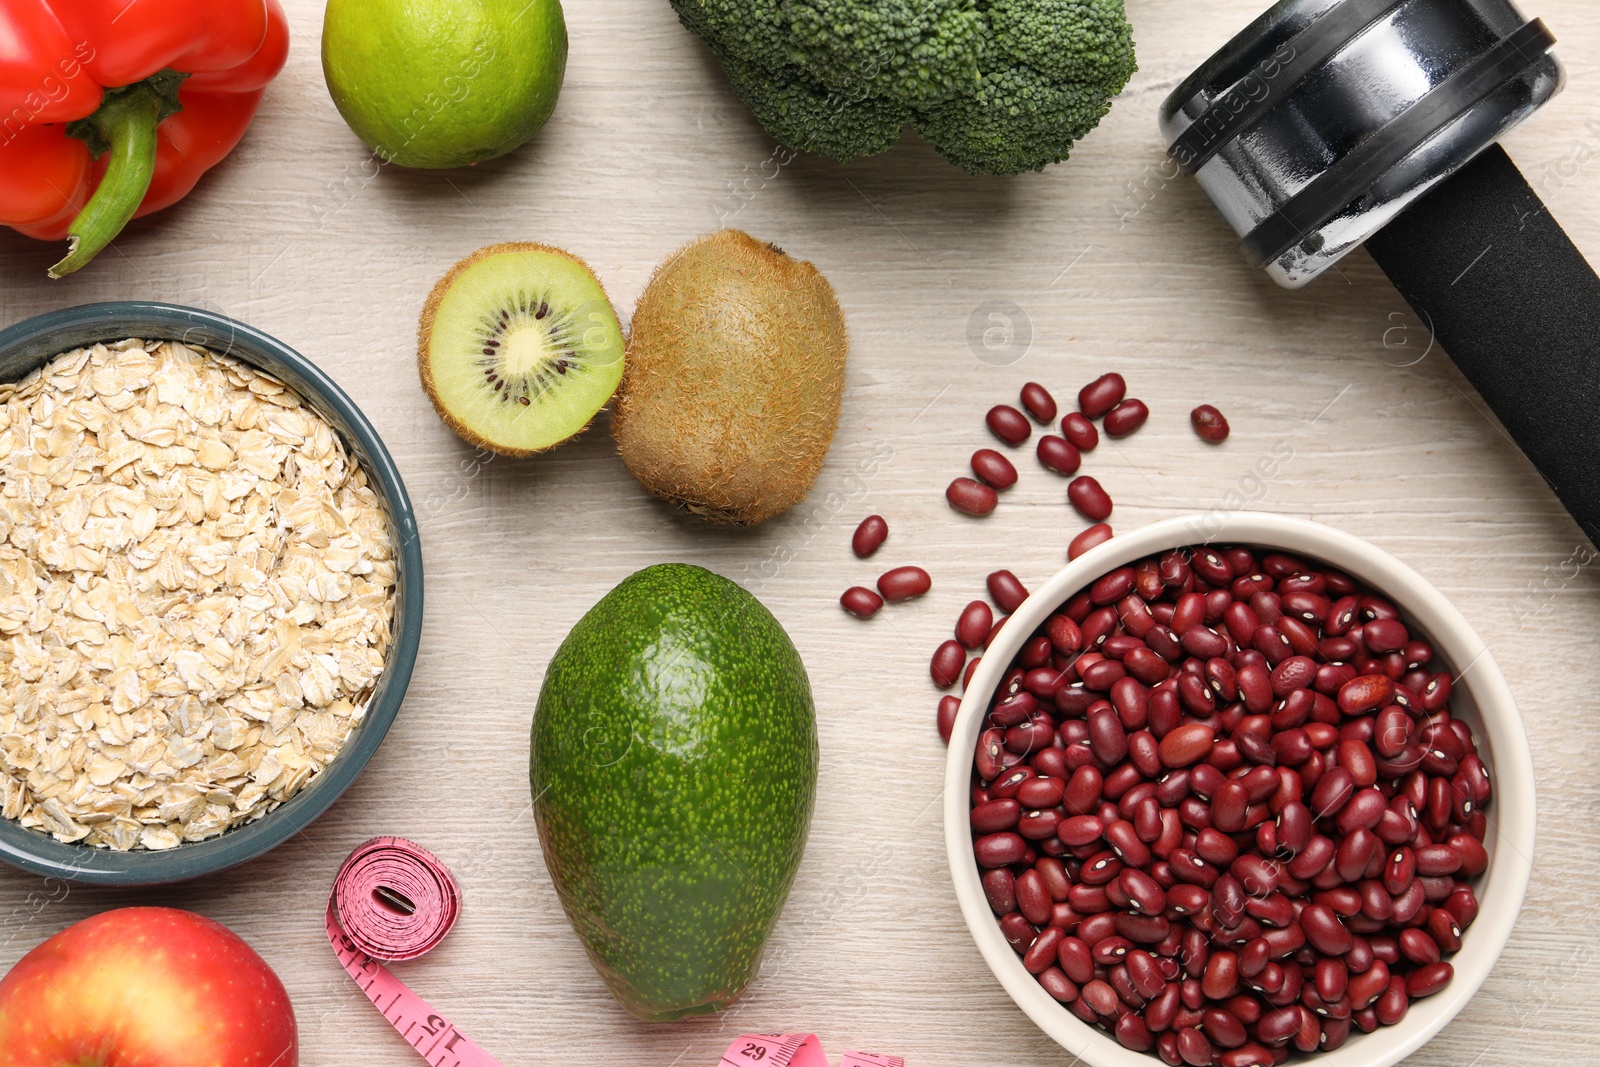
(674,770)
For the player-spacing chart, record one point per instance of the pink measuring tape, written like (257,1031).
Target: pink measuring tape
(393,900)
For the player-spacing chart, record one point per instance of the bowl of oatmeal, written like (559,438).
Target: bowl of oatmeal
(210,593)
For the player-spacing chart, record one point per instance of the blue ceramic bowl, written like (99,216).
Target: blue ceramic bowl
(30,344)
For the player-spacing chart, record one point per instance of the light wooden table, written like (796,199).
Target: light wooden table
(645,151)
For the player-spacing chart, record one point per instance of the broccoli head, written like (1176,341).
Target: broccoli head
(998,86)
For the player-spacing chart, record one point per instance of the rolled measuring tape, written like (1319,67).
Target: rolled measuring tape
(393,901)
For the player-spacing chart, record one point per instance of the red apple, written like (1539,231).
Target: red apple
(145,987)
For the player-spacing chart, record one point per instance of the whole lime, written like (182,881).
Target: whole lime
(444,83)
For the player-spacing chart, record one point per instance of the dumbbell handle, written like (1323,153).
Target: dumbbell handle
(1515,304)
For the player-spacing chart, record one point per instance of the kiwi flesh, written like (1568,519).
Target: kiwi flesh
(519,347)
(735,371)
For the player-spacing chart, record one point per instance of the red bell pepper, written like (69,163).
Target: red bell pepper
(112,109)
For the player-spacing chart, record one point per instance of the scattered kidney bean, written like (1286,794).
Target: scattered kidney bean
(1007,590)
(1089,498)
(974,624)
(948,661)
(869,536)
(1102,394)
(1250,854)
(994,469)
(1126,417)
(946,718)
(1058,454)
(1009,424)
(1040,404)
(1079,432)
(1096,535)
(903,583)
(860,601)
(971,497)
(1209,423)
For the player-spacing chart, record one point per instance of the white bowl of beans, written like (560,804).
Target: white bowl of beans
(1220,793)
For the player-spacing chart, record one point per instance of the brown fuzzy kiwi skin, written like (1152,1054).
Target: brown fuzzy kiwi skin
(732,385)
(425,333)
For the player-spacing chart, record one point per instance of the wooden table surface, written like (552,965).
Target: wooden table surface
(1099,264)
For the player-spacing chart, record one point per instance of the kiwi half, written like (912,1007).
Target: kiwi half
(519,347)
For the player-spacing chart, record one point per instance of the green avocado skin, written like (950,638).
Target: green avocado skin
(674,771)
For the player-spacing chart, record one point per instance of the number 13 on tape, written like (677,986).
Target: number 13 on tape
(795,1050)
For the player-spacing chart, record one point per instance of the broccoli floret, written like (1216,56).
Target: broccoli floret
(1018,120)
(998,86)
(802,116)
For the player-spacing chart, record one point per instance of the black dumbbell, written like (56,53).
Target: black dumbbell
(1328,124)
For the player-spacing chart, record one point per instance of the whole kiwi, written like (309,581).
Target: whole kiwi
(734,373)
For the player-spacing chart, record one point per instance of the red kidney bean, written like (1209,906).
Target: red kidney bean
(1435,860)
(1112,586)
(1393,1002)
(1079,432)
(1366,694)
(1008,424)
(1093,537)
(904,583)
(1083,791)
(1099,996)
(1474,857)
(1042,953)
(869,536)
(993,469)
(1428,979)
(1033,900)
(1019,932)
(1076,960)
(1356,853)
(1443,929)
(1437,692)
(1089,498)
(1058,454)
(1209,424)
(1132,1033)
(1126,417)
(1058,985)
(1228,807)
(948,660)
(991,748)
(1384,635)
(1362,812)
(1418,947)
(1007,590)
(1038,402)
(974,624)
(861,602)
(1399,871)
(999,850)
(1365,986)
(1331,978)
(1323,930)
(1186,745)
(946,718)
(996,815)
(1193,1047)
(1000,890)
(1040,792)
(1065,637)
(1101,395)
(971,497)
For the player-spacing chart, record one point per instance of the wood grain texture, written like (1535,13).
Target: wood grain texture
(1110,266)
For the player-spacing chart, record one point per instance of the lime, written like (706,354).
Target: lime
(444,83)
